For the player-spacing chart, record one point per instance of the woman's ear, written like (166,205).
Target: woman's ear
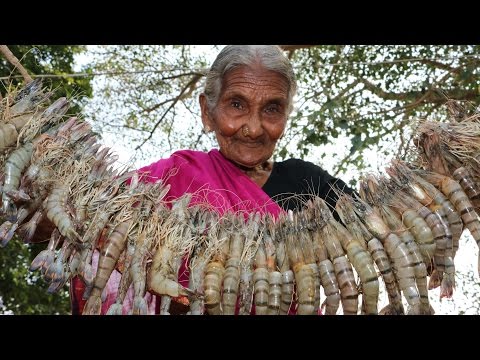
(208,124)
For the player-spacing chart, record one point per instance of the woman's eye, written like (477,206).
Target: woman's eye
(236,104)
(272,109)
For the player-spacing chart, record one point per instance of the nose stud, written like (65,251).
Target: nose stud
(245,130)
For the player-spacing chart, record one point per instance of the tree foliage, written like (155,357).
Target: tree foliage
(371,93)
(48,60)
(150,96)
(368,94)
(23,292)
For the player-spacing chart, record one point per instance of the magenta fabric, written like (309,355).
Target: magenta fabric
(214,180)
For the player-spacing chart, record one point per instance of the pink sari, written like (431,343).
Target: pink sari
(214,180)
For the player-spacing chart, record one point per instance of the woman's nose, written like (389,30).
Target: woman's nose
(254,126)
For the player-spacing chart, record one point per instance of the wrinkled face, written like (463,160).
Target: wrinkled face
(250,97)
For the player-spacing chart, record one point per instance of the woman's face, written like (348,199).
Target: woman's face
(251,97)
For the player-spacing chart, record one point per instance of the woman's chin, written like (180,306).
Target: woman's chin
(244,161)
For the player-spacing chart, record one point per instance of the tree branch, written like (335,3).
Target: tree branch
(344,91)
(12,59)
(294,47)
(191,88)
(428,96)
(291,48)
(377,90)
(406,109)
(335,60)
(195,73)
(338,168)
(440,65)
(404,147)
(156,106)
(191,83)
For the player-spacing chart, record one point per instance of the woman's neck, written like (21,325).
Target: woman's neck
(260,173)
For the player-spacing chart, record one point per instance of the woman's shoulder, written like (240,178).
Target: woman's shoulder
(300,170)
(178,158)
(295,164)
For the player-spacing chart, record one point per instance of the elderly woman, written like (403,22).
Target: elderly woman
(246,102)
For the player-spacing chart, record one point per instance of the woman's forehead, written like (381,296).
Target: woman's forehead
(246,78)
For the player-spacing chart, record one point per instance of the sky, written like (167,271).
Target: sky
(466,299)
